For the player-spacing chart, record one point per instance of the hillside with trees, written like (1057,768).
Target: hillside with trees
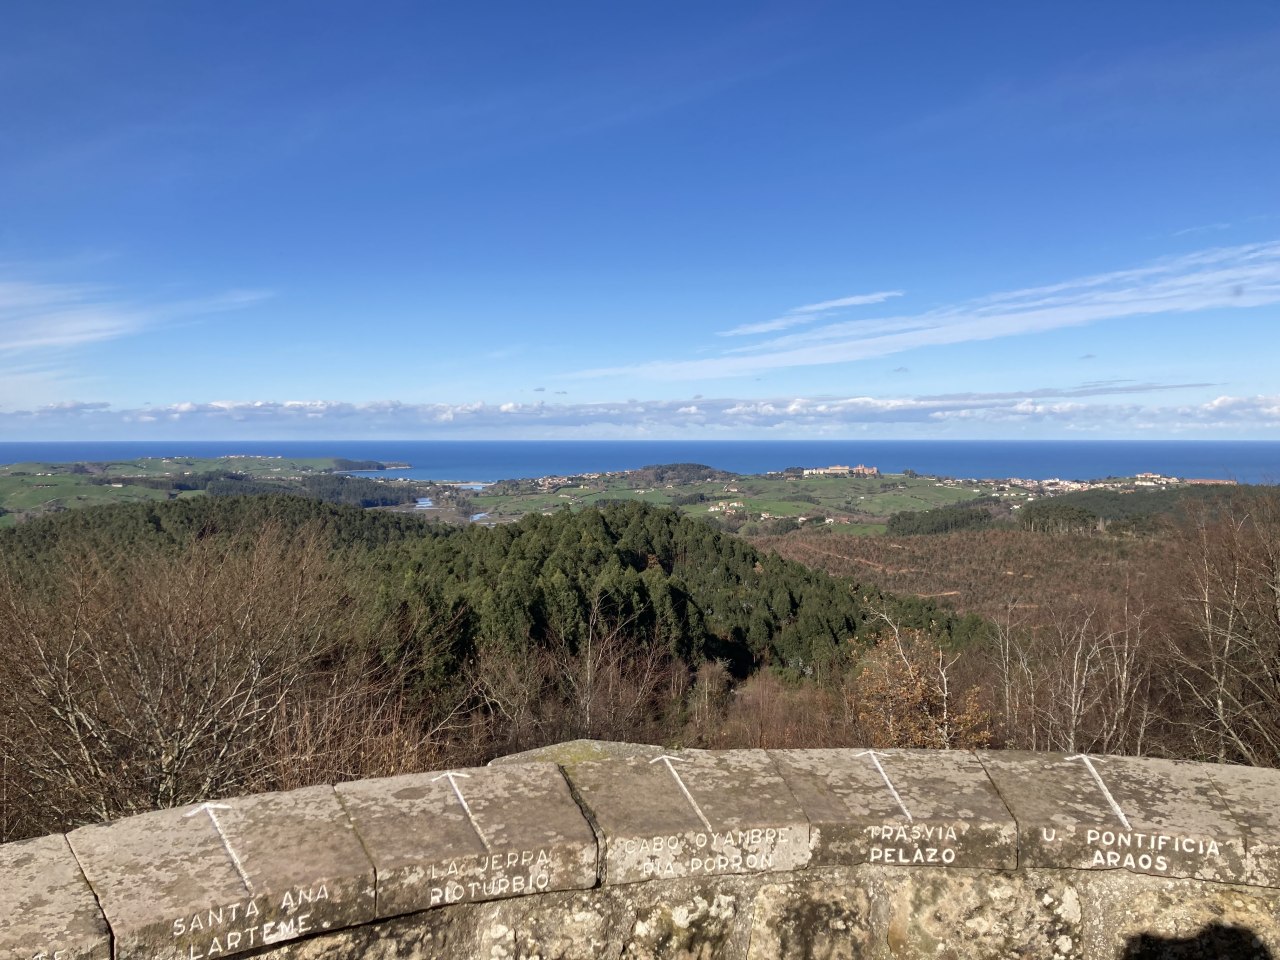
(1165,642)
(160,653)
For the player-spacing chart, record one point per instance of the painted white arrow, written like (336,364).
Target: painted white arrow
(209,808)
(453,782)
(683,789)
(1097,778)
(875,758)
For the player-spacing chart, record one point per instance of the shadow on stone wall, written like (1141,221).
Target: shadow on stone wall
(1214,942)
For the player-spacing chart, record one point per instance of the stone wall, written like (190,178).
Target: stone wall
(589,849)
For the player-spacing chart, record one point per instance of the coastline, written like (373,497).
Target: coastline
(486,461)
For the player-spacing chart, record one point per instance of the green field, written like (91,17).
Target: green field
(21,494)
(753,504)
(856,504)
(29,489)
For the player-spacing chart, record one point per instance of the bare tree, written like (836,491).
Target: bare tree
(158,678)
(616,682)
(1227,646)
(1080,681)
(1011,658)
(1092,680)
(708,699)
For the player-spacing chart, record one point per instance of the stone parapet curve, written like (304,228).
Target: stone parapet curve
(591,849)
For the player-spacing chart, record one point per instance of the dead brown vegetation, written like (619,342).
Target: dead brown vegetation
(987,571)
(146,679)
(1167,645)
(152,677)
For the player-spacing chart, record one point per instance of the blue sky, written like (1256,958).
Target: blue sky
(660,220)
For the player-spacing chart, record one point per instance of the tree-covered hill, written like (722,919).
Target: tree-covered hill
(155,654)
(1129,511)
(702,593)
(679,473)
(974,515)
(176,523)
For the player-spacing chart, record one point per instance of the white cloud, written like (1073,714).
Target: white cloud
(25,384)
(855,301)
(1117,410)
(45,316)
(70,408)
(1203,228)
(766,326)
(1242,276)
(797,316)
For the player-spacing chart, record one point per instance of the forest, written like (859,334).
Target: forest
(166,652)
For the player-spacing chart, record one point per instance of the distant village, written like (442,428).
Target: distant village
(730,500)
(1056,485)
(1049,487)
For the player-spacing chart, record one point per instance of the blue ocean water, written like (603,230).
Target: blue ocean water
(487,460)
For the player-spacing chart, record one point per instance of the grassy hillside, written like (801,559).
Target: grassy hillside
(30,490)
(747,503)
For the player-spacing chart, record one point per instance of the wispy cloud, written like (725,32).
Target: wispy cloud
(1099,388)
(36,316)
(42,316)
(1111,408)
(767,326)
(1203,228)
(808,313)
(1159,86)
(855,301)
(44,323)
(218,303)
(1241,276)
(22,384)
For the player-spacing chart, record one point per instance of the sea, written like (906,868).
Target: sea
(484,461)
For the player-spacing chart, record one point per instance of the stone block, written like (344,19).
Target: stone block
(692,814)
(47,911)
(217,879)
(468,835)
(570,752)
(1162,817)
(816,920)
(1252,794)
(900,807)
(962,914)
